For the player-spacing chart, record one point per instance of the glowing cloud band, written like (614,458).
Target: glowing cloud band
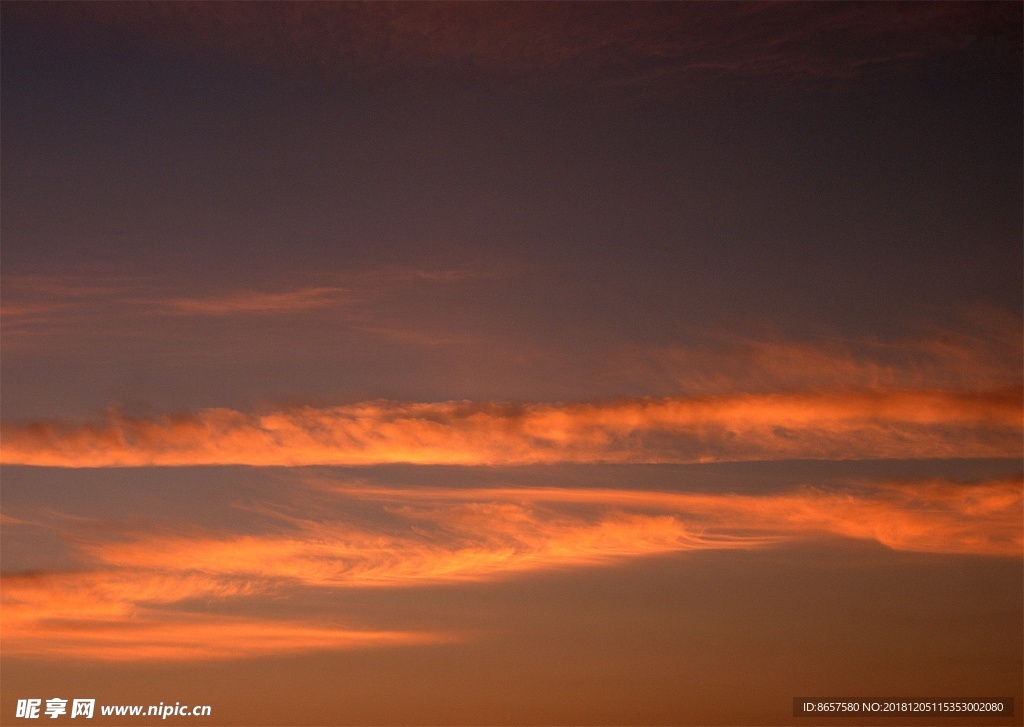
(122,606)
(886,423)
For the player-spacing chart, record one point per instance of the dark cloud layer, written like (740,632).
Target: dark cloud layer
(664,46)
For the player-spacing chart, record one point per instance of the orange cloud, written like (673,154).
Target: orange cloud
(985,357)
(6,519)
(196,638)
(470,541)
(452,535)
(810,425)
(930,516)
(127,606)
(115,615)
(53,310)
(124,609)
(259,302)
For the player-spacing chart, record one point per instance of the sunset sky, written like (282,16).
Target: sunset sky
(511,363)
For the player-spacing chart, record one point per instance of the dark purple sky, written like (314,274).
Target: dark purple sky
(566,349)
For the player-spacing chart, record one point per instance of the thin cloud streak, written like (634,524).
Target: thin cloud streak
(303,299)
(986,355)
(864,424)
(29,296)
(194,638)
(121,615)
(41,313)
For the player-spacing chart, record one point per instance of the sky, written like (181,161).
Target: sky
(511,363)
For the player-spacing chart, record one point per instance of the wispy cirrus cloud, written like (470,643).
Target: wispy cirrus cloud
(302,299)
(479,537)
(38,311)
(129,614)
(198,638)
(922,516)
(983,352)
(451,535)
(858,424)
(30,295)
(359,287)
(144,635)
(9,520)
(128,603)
